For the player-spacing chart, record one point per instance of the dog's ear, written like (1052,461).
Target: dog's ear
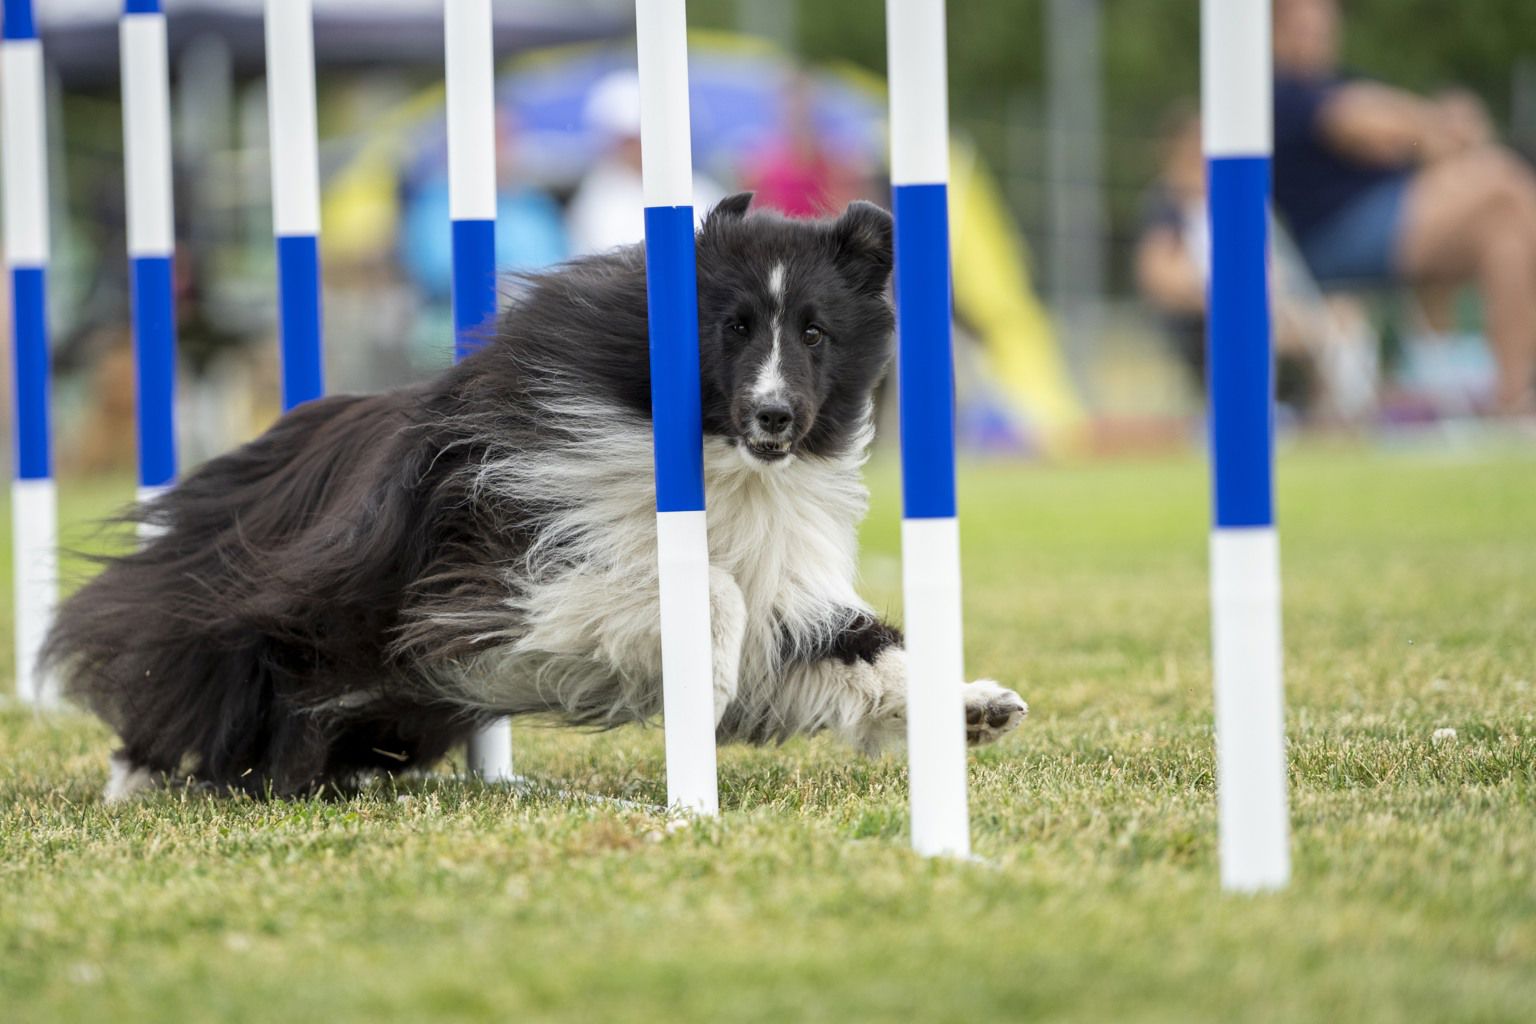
(730,208)
(862,236)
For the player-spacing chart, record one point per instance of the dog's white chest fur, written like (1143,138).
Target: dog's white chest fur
(586,599)
(787,534)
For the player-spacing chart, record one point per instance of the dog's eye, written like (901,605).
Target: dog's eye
(739,328)
(813,336)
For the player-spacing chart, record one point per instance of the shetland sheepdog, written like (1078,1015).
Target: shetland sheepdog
(376,577)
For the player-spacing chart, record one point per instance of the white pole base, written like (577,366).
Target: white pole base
(687,662)
(1250,726)
(34,549)
(489,752)
(148,531)
(146,493)
(930,558)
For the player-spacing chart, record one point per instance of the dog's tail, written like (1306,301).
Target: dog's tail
(262,589)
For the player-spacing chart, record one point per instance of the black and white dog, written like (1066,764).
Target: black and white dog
(376,577)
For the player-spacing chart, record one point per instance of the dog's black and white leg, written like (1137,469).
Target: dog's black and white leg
(856,687)
(127,778)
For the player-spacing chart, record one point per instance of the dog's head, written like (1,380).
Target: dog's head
(795,327)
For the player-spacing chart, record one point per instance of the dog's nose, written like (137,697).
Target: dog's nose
(774,419)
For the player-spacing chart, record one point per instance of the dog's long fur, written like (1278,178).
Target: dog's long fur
(376,577)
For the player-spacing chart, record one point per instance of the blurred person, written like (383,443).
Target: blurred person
(608,208)
(1171,257)
(1379,185)
(1326,353)
(530,230)
(795,174)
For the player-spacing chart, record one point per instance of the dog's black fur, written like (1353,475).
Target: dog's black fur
(349,551)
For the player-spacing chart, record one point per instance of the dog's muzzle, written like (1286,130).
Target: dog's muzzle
(771,430)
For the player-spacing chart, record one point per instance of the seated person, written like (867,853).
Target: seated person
(1378,185)
(1326,352)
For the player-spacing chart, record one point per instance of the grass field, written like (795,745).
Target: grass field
(1410,607)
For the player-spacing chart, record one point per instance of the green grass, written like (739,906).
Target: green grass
(1410,606)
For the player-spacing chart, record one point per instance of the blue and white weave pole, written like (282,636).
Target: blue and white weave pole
(688,704)
(930,532)
(1245,553)
(470,76)
(295,152)
(34,523)
(151,237)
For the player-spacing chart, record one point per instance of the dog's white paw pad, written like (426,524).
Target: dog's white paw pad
(991,712)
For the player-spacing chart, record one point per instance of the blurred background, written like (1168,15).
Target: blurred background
(1076,189)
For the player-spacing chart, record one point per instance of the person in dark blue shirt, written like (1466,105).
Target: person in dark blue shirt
(1380,185)
(1324,352)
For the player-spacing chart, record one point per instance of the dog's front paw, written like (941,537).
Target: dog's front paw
(991,712)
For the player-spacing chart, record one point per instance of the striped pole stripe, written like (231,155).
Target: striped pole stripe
(295,155)
(470,76)
(661,31)
(17,21)
(151,236)
(1245,562)
(24,175)
(930,534)
(471,88)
